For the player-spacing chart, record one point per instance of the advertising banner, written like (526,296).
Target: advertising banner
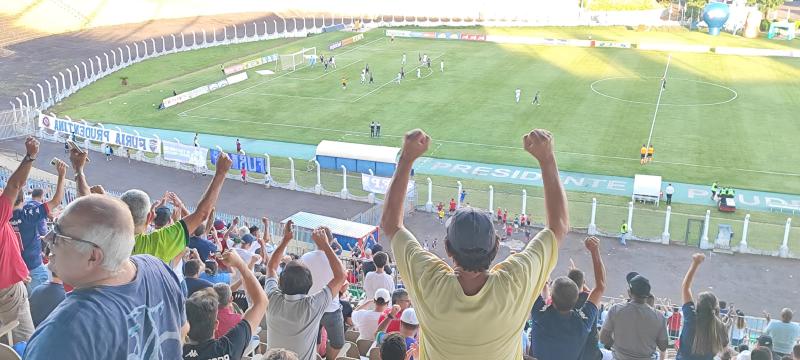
(251,163)
(380,185)
(100,134)
(184,154)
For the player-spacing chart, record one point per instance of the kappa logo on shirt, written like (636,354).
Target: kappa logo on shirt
(192,354)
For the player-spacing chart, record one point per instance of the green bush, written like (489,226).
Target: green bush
(764,26)
(622,5)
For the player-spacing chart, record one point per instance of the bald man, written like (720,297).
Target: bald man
(122,306)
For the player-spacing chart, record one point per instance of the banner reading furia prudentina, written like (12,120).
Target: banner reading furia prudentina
(100,134)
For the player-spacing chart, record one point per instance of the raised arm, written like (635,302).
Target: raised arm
(275,260)
(415,144)
(686,288)
(210,221)
(388,319)
(209,198)
(323,243)
(78,159)
(265,238)
(17,180)
(55,201)
(593,245)
(258,299)
(539,143)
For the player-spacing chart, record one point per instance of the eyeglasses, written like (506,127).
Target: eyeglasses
(54,237)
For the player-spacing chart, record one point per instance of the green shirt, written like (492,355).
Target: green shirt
(714,187)
(165,243)
(623,228)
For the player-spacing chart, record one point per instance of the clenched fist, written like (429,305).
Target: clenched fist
(539,143)
(415,144)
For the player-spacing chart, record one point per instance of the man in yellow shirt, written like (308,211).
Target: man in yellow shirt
(472,311)
(643,153)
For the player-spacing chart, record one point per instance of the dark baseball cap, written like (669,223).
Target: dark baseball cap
(248,239)
(470,228)
(639,286)
(765,340)
(163,214)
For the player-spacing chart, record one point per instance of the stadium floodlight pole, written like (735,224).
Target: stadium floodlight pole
(458,195)
(524,201)
(429,203)
(344,182)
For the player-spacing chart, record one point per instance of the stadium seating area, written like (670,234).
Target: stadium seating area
(80,259)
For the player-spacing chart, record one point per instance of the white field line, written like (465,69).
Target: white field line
(391,81)
(658,102)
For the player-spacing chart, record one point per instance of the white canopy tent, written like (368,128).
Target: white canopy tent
(647,188)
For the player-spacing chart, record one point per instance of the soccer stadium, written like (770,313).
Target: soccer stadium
(263,180)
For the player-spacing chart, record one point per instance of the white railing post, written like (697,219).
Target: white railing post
(294,21)
(64,87)
(108,63)
(225,34)
(292,182)
(318,187)
(153,41)
(743,244)
(99,65)
(429,203)
(266,31)
(27,100)
(491,198)
(255,31)
(268,175)
(114,55)
(174,43)
(784,250)
(49,89)
(85,72)
(163,45)
(35,103)
(630,218)
(458,194)
(136,48)
(704,240)
(235,34)
(665,234)
(214,35)
(130,57)
(344,181)
(13,110)
(592,225)
(274,26)
(284,26)
(71,81)
(41,94)
(205,41)
(524,201)
(144,43)
(371,195)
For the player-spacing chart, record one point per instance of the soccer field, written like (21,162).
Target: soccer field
(724,118)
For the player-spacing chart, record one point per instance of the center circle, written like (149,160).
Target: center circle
(618,87)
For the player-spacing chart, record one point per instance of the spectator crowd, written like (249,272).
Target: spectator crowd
(138,278)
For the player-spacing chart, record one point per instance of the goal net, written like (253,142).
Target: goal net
(295,60)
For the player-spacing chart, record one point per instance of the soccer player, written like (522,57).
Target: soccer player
(419,73)
(372,129)
(399,76)
(378,129)
(650,152)
(370,78)
(643,153)
(402,73)
(366,67)
(403,62)
(363,77)
(429,63)
(536,99)
(441,65)
(419,57)
(664,83)
(325,63)
(333,62)
(196,140)
(344,84)
(518,93)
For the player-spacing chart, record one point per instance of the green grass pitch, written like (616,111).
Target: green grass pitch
(721,117)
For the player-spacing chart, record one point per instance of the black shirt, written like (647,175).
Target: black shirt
(229,347)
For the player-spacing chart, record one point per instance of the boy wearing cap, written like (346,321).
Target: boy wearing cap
(634,330)
(486,309)
(409,324)
(365,319)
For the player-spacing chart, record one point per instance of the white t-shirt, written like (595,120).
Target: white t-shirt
(374,281)
(366,321)
(670,190)
(321,275)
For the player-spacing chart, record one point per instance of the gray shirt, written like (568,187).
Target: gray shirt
(637,329)
(293,320)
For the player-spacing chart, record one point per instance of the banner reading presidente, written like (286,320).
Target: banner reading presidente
(100,134)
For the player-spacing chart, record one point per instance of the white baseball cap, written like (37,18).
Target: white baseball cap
(383,294)
(409,316)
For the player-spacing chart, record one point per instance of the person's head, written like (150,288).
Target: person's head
(37,194)
(393,347)
(224,294)
(376,249)
(254,230)
(577,276)
(247,241)
(764,341)
(201,313)
(676,310)
(163,216)
(139,205)
(761,353)
(638,287)
(723,304)
(710,336)
(382,298)
(192,268)
(796,352)
(280,354)
(400,297)
(211,267)
(564,293)
(409,322)
(740,324)
(91,240)
(200,230)
(786,315)
(471,240)
(368,254)
(295,279)
(380,259)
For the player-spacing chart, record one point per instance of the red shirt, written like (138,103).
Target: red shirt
(227,320)
(674,322)
(452,205)
(394,324)
(12,267)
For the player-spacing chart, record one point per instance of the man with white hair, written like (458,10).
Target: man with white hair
(13,271)
(166,243)
(122,306)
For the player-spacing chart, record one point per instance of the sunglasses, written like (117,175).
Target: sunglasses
(54,237)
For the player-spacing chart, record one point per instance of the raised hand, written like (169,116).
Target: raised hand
(78,159)
(592,244)
(698,258)
(288,233)
(265,221)
(320,238)
(539,143)
(232,259)
(31,146)
(97,189)
(61,168)
(415,144)
(223,163)
(395,310)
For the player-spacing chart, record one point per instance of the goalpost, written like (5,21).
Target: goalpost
(295,60)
